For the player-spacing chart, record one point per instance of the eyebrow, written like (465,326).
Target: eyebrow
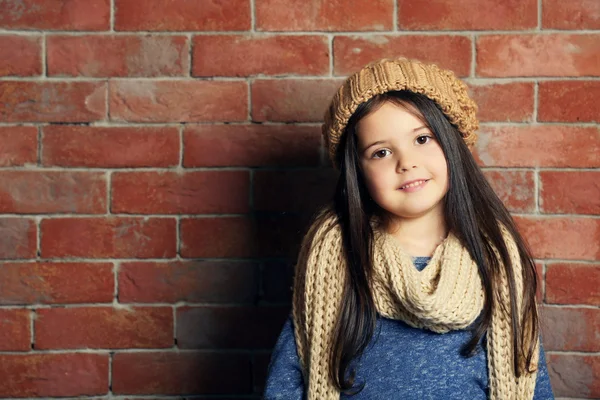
(383,141)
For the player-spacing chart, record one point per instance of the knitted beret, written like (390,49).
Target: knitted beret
(385,75)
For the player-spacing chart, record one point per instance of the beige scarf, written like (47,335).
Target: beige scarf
(447,295)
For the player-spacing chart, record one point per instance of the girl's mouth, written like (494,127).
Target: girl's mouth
(415,186)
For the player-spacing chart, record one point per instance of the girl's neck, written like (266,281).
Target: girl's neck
(419,236)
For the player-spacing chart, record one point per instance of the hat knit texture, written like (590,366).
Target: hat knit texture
(385,75)
(447,295)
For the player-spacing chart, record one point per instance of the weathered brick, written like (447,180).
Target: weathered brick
(573,14)
(467,14)
(198,192)
(56,283)
(574,375)
(218,327)
(192,281)
(181,373)
(292,100)
(503,102)
(117,55)
(570,101)
(19,238)
(110,147)
(571,328)
(218,237)
(516,189)
(277,281)
(52,101)
(89,15)
(574,238)
(18,145)
(15,334)
(324,15)
(573,284)
(53,375)
(351,53)
(112,237)
(104,327)
(236,55)
(293,190)
(538,146)
(251,145)
(178,101)
(20,55)
(553,54)
(182,15)
(566,192)
(52,192)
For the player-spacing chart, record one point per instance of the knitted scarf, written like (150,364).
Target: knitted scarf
(447,295)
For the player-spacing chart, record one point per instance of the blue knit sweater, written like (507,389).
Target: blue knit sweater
(401,362)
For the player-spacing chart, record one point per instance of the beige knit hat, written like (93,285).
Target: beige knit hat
(385,75)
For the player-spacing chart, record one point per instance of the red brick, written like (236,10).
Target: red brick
(260,367)
(19,238)
(324,15)
(504,102)
(291,100)
(104,327)
(218,237)
(178,101)
(453,52)
(516,189)
(251,145)
(183,15)
(220,327)
(117,55)
(15,334)
(192,281)
(277,281)
(199,192)
(573,284)
(571,101)
(538,146)
(20,55)
(293,190)
(110,147)
(89,15)
(574,238)
(181,373)
(280,235)
(18,145)
(53,375)
(52,101)
(566,192)
(52,192)
(571,328)
(236,55)
(467,14)
(110,237)
(56,283)
(574,375)
(554,54)
(573,14)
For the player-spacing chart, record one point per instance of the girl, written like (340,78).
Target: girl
(414,283)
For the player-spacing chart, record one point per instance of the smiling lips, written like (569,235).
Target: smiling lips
(414,185)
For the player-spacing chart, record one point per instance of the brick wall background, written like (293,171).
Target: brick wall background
(159,160)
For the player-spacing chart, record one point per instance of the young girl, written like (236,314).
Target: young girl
(414,283)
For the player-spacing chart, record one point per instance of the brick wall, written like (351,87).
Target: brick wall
(159,160)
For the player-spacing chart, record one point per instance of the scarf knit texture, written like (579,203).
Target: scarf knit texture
(447,295)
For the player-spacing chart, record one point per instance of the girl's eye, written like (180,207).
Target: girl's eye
(423,139)
(380,153)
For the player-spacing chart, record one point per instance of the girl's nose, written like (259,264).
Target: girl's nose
(404,164)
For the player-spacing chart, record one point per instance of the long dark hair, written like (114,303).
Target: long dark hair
(473,213)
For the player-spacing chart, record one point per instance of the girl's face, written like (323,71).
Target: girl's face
(394,148)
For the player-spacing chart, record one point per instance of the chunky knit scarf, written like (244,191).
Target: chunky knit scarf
(447,295)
